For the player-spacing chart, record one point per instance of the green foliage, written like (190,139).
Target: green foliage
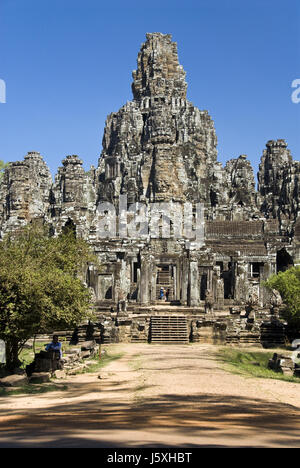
(288,284)
(99,363)
(40,285)
(26,355)
(3,165)
(251,364)
(54,385)
(32,390)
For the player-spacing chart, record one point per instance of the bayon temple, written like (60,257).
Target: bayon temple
(160,211)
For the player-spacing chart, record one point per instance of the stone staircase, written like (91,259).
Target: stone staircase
(169,329)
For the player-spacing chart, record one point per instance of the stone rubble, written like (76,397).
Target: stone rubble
(14,380)
(74,360)
(282,363)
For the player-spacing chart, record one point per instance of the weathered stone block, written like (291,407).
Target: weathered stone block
(40,377)
(15,380)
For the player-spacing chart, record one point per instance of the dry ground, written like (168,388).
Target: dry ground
(157,396)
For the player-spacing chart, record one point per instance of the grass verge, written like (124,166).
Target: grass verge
(99,363)
(251,364)
(26,355)
(32,389)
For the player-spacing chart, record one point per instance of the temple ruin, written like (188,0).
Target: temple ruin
(175,218)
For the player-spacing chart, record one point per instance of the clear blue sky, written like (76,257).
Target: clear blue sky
(67,64)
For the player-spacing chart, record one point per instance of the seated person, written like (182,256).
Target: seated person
(55,345)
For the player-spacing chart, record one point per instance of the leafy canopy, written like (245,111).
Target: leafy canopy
(41,287)
(3,165)
(288,284)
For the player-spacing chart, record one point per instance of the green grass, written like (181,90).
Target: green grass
(32,390)
(242,363)
(26,356)
(99,363)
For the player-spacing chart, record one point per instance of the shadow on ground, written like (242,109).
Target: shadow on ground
(214,415)
(114,412)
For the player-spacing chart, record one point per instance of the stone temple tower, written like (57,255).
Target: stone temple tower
(160,149)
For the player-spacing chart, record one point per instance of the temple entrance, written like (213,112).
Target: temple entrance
(203,286)
(228,278)
(165,280)
(283,260)
(227,275)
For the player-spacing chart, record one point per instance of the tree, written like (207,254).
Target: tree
(288,284)
(41,287)
(3,165)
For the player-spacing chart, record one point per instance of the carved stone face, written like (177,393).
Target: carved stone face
(158,71)
(161,126)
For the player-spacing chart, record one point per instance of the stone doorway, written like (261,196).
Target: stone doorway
(203,286)
(283,260)
(228,277)
(165,279)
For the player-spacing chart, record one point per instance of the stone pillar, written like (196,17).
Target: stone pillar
(210,278)
(92,278)
(178,281)
(138,284)
(153,284)
(146,266)
(174,282)
(261,288)
(265,272)
(194,287)
(144,284)
(115,284)
(269,269)
(184,281)
(241,283)
(124,280)
(218,287)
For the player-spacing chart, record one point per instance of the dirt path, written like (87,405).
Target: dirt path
(157,396)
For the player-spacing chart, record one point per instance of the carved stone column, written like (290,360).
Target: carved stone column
(145,282)
(194,288)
